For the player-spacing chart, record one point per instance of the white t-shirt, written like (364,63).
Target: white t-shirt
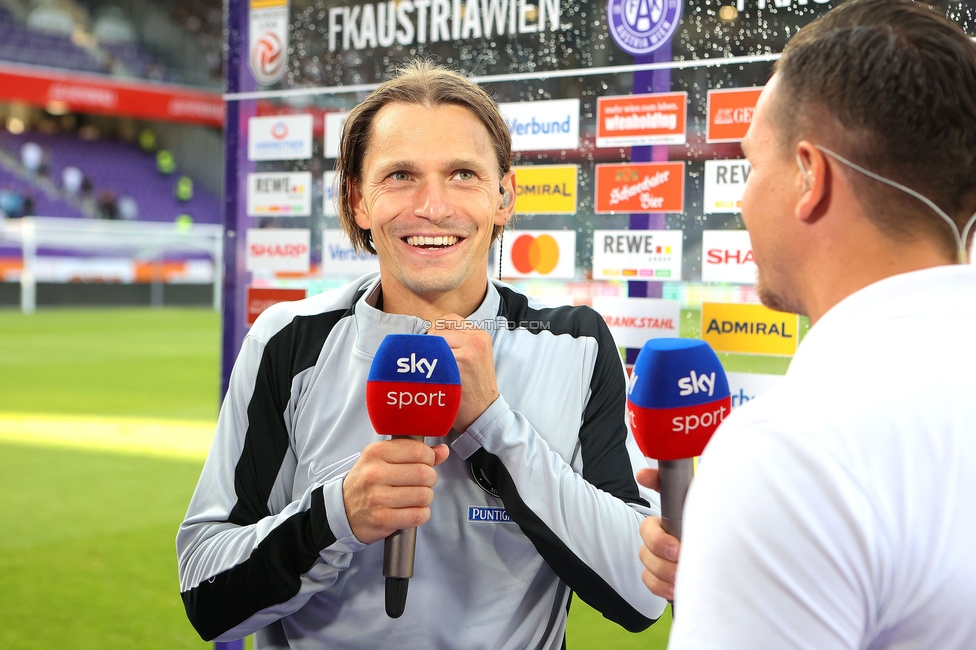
(838,510)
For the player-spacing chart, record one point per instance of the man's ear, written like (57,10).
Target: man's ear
(357,204)
(506,199)
(813,179)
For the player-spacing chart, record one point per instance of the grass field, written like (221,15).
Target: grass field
(105,418)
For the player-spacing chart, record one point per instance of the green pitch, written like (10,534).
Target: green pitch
(105,417)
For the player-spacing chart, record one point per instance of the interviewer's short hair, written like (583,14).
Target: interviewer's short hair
(423,83)
(890,85)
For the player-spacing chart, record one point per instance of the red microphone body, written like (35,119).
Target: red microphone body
(413,391)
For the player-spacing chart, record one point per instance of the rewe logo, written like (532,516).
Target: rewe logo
(411,364)
(696,383)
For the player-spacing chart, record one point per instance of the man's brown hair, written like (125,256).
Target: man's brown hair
(423,83)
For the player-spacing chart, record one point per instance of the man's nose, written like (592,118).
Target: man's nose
(433,202)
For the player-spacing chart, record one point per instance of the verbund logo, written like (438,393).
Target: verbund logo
(642,26)
(730,113)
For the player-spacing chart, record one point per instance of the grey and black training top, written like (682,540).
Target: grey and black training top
(537,499)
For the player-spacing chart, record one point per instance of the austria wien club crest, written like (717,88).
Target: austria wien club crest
(642,26)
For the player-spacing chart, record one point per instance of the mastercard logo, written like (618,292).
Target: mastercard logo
(539,254)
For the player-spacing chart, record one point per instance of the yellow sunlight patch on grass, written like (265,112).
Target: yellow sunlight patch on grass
(186,439)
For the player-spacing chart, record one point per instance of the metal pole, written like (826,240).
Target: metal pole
(28,279)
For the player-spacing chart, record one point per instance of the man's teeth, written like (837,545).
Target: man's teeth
(448,240)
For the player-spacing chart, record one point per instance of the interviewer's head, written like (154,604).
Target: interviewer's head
(891,86)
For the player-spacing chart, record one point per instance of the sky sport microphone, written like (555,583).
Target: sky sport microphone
(413,391)
(678,396)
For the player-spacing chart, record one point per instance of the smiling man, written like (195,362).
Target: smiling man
(532,499)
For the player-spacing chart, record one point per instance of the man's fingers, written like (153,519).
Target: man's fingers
(649,478)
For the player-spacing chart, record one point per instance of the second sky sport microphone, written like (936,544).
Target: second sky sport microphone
(678,395)
(413,390)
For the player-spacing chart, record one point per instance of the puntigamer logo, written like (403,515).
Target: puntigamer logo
(642,26)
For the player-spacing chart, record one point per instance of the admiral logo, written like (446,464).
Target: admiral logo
(412,365)
(748,327)
(488,515)
(640,27)
(695,383)
(546,189)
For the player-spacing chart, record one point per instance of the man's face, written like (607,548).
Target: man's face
(768,204)
(429,195)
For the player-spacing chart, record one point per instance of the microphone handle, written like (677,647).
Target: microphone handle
(675,477)
(398,553)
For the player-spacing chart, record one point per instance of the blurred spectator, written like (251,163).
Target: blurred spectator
(27,208)
(33,158)
(11,202)
(73,180)
(147,140)
(165,162)
(128,208)
(183,190)
(107,207)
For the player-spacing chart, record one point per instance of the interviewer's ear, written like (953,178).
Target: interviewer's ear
(812,178)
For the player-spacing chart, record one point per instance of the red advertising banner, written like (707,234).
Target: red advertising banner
(58,92)
(633,120)
(260,298)
(730,113)
(640,187)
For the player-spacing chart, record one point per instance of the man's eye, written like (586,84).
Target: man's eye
(465,175)
(400,176)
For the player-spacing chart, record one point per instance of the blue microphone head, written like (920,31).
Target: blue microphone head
(414,386)
(678,395)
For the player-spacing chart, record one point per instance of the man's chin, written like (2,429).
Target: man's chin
(775,301)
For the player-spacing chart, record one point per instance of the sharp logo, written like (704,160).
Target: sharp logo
(413,365)
(695,383)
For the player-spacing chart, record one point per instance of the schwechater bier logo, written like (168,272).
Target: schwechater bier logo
(642,26)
